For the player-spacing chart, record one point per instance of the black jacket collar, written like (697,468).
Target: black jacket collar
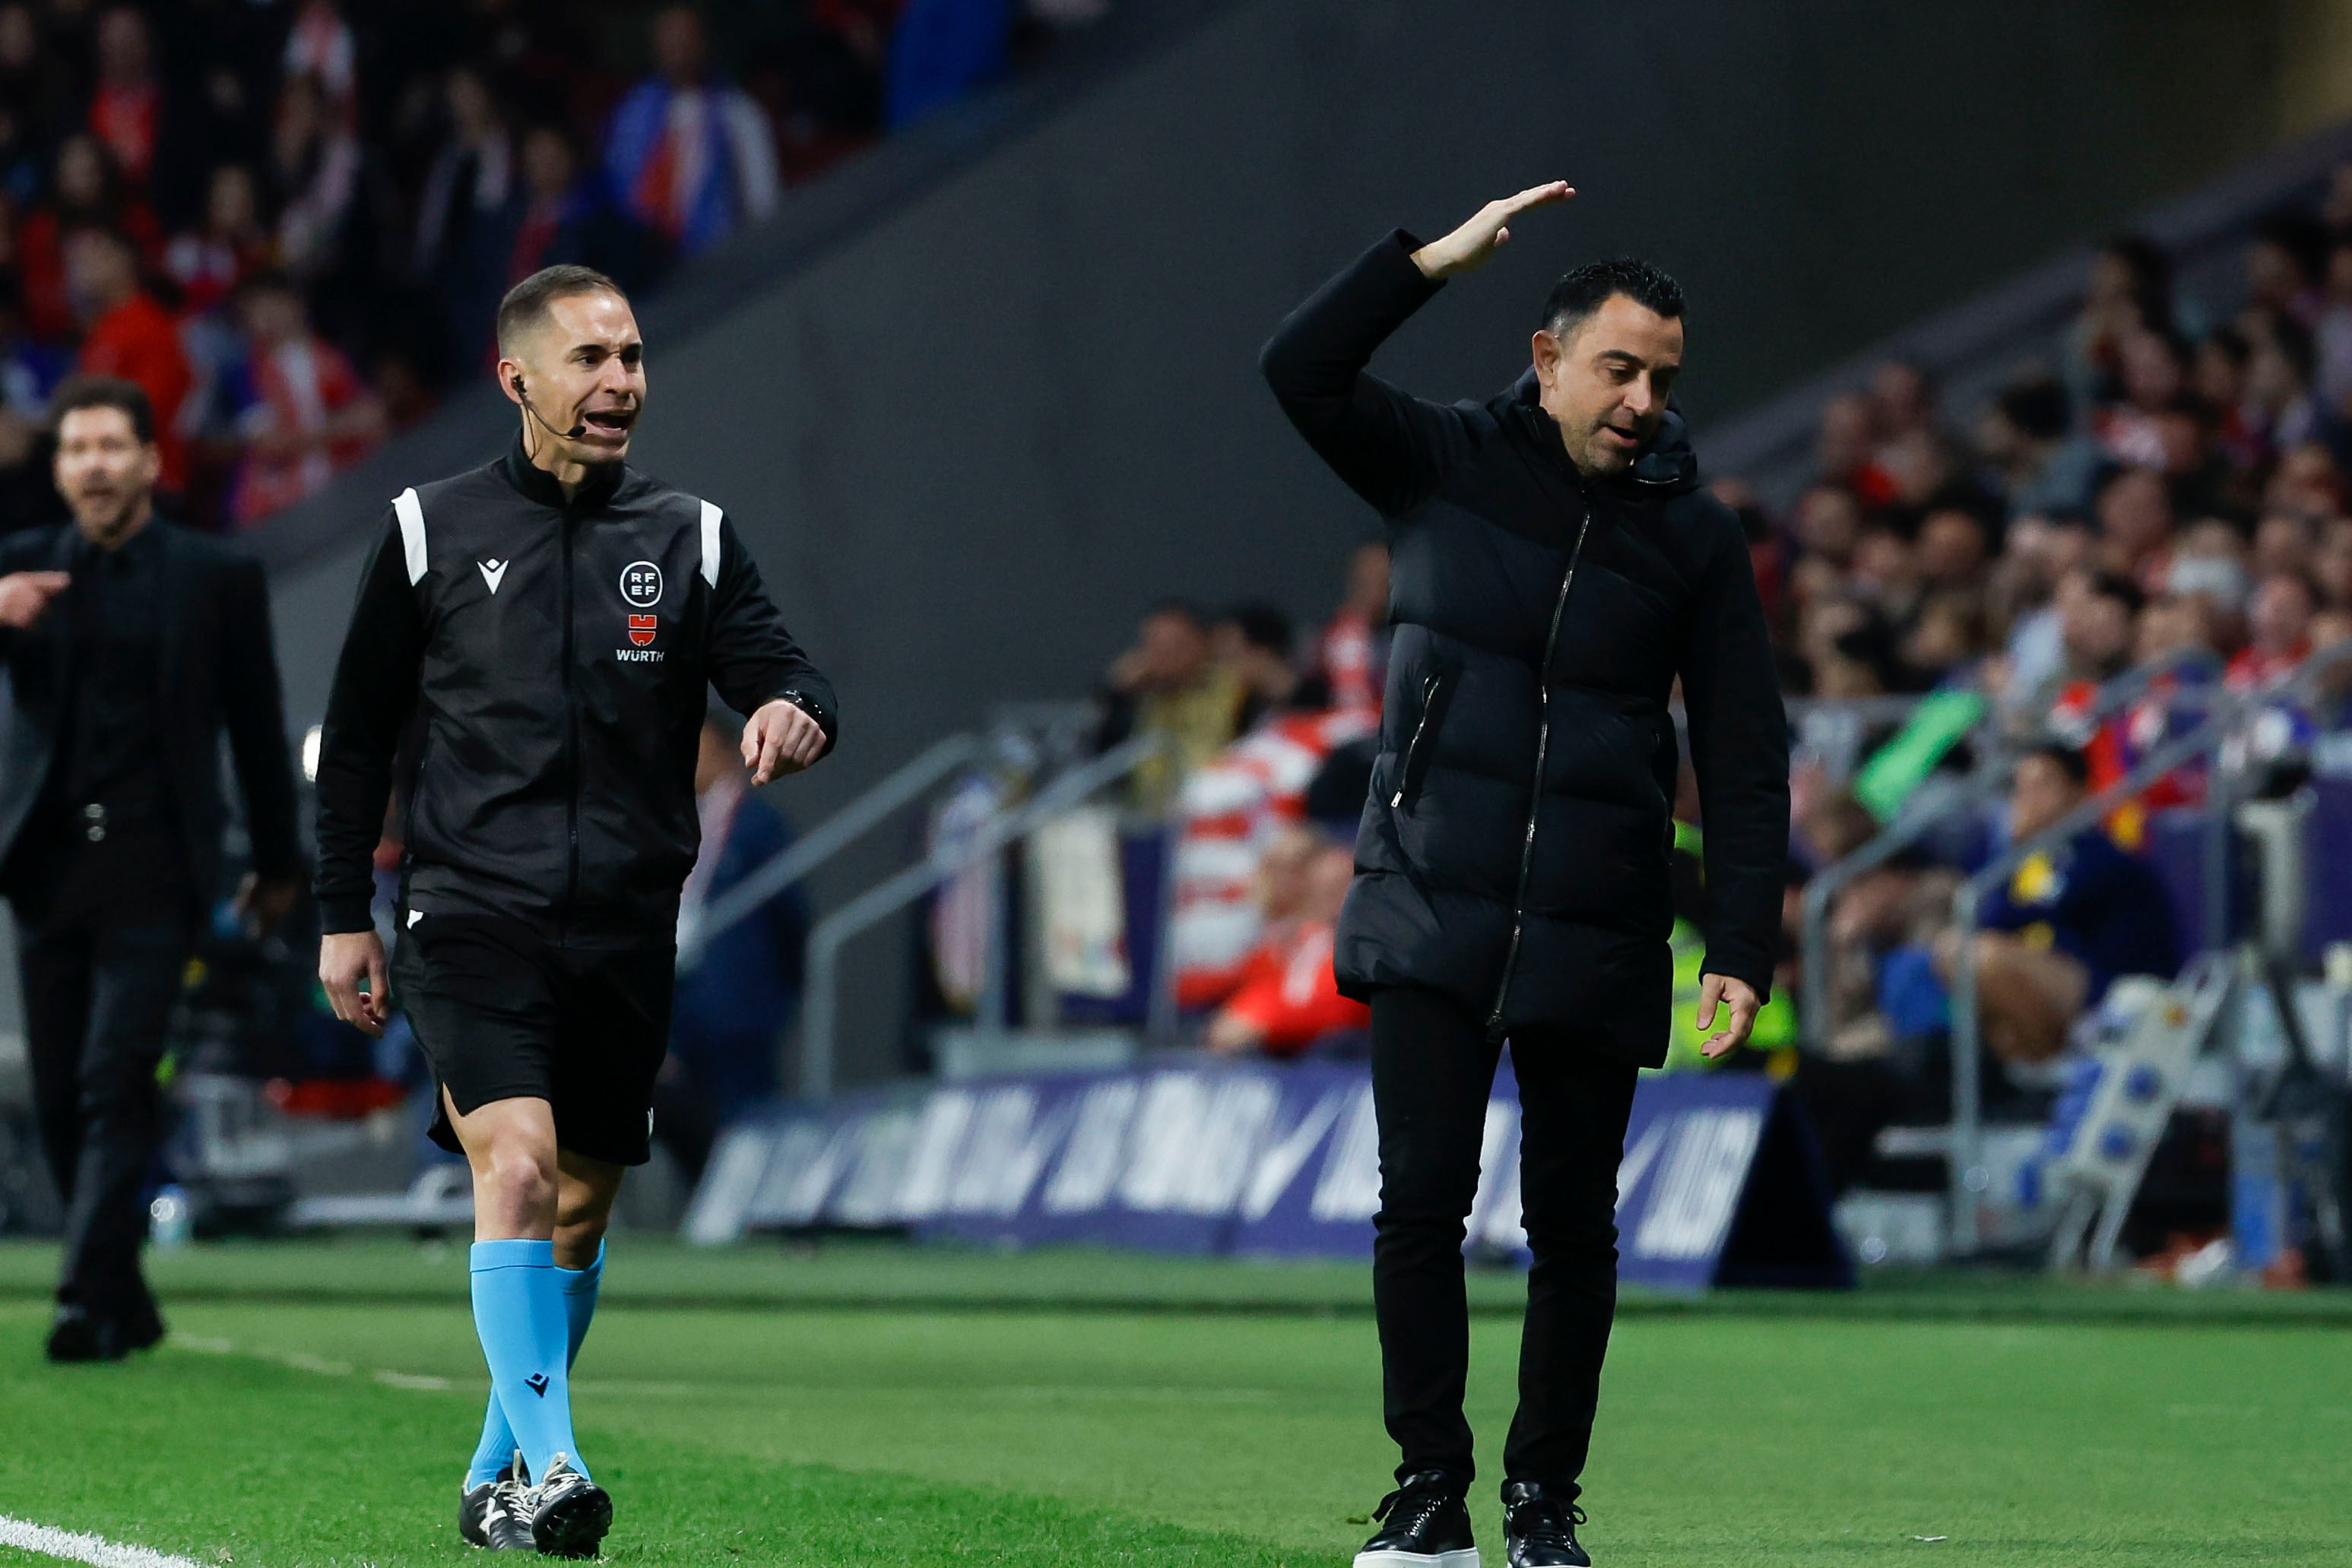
(1667,466)
(538,485)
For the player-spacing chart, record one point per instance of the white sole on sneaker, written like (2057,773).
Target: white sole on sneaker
(1389,1558)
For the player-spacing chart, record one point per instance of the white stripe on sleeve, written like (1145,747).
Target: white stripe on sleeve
(710,516)
(411,512)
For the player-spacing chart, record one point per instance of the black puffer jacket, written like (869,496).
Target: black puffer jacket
(1514,851)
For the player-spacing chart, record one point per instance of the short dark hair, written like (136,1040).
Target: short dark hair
(526,303)
(1581,292)
(2114,585)
(2038,407)
(1263,626)
(104,392)
(2071,760)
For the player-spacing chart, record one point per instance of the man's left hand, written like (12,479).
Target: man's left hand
(1739,1001)
(264,901)
(780,739)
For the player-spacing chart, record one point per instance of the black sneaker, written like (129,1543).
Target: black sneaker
(1423,1525)
(493,1515)
(1539,1529)
(569,1513)
(76,1334)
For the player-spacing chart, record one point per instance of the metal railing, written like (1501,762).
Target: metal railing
(1906,832)
(821,1007)
(901,789)
(2230,711)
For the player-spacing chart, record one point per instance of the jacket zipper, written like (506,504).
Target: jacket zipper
(1405,780)
(1535,795)
(570,740)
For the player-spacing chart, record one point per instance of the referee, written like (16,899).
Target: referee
(536,637)
(1557,570)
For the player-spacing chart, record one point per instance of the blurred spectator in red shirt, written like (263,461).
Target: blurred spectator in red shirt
(131,335)
(2278,628)
(84,191)
(126,110)
(1847,452)
(301,413)
(1289,997)
(208,263)
(1349,656)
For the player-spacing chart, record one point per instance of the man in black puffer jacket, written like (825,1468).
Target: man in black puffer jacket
(1557,568)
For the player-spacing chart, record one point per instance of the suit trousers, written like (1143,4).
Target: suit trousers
(98,998)
(1433,1071)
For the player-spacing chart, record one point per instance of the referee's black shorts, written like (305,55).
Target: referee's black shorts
(503,1014)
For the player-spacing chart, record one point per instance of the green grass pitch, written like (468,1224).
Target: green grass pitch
(871,1406)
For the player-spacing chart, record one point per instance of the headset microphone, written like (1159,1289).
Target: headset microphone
(578,430)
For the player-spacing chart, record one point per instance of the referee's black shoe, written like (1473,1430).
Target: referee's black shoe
(493,1516)
(569,1513)
(1540,1529)
(1423,1525)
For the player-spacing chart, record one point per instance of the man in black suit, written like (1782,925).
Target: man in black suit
(131,645)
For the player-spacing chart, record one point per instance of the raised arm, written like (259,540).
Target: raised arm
(1740,748)
(762,673)
(1391,447)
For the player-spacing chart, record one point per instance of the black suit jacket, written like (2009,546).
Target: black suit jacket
(219,674)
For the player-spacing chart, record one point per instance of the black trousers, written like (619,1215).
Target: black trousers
(97,998)
(1433,1069)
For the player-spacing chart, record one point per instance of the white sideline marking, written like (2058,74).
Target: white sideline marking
(76,1547)
(301,1362)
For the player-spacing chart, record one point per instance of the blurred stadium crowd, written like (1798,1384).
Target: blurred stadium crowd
(2165,492)
(290,221)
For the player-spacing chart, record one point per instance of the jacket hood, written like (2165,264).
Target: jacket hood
(1668,465)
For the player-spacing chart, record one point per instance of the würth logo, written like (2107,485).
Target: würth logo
(642,629)
(537,1384)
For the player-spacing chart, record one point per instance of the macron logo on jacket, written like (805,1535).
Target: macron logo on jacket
(494,572)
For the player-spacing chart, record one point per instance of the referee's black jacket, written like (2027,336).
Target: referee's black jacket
(559,653)
(1513,854)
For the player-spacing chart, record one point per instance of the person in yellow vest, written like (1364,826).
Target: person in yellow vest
(1775,1034)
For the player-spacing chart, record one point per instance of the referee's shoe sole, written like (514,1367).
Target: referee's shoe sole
(1392,1558)
(569,1513)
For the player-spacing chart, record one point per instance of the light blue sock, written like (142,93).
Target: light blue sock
(495,1452)
(519,1315)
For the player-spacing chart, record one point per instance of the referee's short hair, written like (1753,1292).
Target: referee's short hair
(82,392)
(526,303)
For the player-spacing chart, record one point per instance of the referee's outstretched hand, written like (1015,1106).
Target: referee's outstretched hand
(780,739)
(1487,231)
(345,958)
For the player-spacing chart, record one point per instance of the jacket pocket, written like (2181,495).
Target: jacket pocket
(1436,689)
